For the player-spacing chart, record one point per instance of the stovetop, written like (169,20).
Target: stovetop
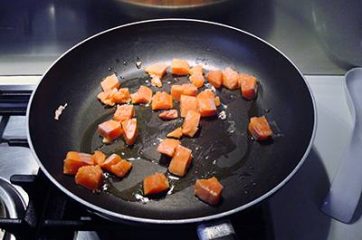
(291,213)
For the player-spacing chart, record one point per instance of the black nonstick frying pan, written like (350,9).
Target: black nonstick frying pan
(250,171)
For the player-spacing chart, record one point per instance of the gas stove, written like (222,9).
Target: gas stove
(32,207)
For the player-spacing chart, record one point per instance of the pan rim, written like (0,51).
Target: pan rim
(118,216)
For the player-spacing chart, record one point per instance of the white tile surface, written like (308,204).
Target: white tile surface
(296,207)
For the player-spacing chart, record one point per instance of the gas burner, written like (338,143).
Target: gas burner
(12,205)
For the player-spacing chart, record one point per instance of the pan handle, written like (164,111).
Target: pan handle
(218,230)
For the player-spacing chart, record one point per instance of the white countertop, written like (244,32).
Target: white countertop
(296,207)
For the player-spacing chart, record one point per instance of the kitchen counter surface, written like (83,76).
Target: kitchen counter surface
(296,207)
(41,31)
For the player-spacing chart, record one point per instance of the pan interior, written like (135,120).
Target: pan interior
(246,168)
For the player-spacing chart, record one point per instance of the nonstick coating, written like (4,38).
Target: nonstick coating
(249,170)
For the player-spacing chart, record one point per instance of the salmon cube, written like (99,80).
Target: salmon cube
(130,131)
(191,123)
(143,95)
(122,96)
(196,70)
(169,114)
(121,168)
(155,183)
(180,67)
(90,177)
(156,69)
(110,82)
(177,133)
(189,89)
(176,91)
(168,146)
(188,103)
(197,80)
(207,93)
(124,112)
(230,78)
(74,160)
(214,77)
(217,101)
(208,190)
(184,89)
(110,129)
(162,101)
(110,161)
(259,128)
(156,81)
(248,85)
(98,157)
(106,97)
(197,77)
(180,161)
(206,103)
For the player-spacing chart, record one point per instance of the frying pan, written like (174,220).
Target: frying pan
(249,170)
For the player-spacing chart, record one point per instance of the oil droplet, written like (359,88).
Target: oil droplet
(97,191)
(125,63)
(110,69)
(222,115)
(173,177)
(105,187)
(277,135)
(171,190)
(141,198)
(138,64)
(231,128)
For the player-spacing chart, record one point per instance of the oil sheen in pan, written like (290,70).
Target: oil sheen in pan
(220,148)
